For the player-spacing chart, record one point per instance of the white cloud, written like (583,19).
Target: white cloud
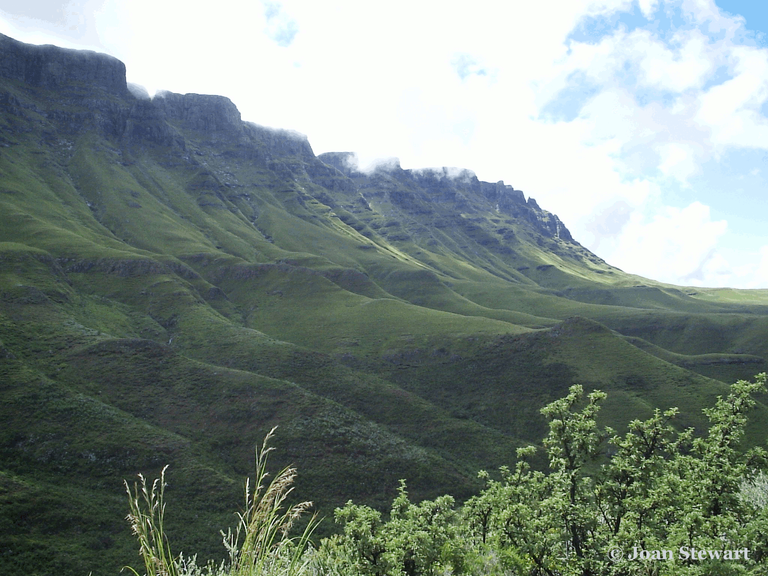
(682,65)
(745,269)
(731,110)
(648,7)
(677,160)
(760,277)
(660,108)
(673,245)
(280,26)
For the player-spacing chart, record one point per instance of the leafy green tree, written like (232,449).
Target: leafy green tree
(573,442)
(419,533)
(364,540)
(632,503)
(415,541)
(660,492)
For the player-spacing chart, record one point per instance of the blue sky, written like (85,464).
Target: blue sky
(643,124)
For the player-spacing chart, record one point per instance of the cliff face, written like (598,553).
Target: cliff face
(493,215)
(203,113)
(52,67)
(87,83)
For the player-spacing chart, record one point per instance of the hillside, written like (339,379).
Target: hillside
(174,282)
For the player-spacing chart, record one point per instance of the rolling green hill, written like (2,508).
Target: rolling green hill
(174,282)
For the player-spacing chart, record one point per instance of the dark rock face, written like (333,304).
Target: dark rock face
(437,196)
(281,142)
(443,188)
(328,176)
(503,194)
(136,120)
(147,122)
(53,67)
(201,112)
(344,162)
(219,119)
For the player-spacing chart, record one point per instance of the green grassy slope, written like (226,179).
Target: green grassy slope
(174,282)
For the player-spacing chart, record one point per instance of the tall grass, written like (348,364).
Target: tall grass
(260,545)
(147,519)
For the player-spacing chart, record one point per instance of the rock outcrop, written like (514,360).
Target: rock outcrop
(201,112)
(53,67)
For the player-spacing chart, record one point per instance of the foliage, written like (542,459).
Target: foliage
(652,501)
(661,492)
(147,524)
(417,539)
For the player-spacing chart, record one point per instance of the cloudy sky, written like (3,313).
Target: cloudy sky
(641,123)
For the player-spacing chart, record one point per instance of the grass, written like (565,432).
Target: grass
(266,523)
(260,545)
(147,520)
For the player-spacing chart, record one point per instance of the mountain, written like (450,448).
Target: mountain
(175,281)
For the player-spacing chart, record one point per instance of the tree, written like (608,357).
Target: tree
(415,540)
(661,495)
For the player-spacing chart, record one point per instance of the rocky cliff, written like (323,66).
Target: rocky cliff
(52,67)
(86,80)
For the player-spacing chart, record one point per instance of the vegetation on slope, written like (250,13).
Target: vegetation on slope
(651,501)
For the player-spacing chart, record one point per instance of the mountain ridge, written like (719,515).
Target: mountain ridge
(216,116)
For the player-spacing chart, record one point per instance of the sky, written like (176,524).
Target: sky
(643,124)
